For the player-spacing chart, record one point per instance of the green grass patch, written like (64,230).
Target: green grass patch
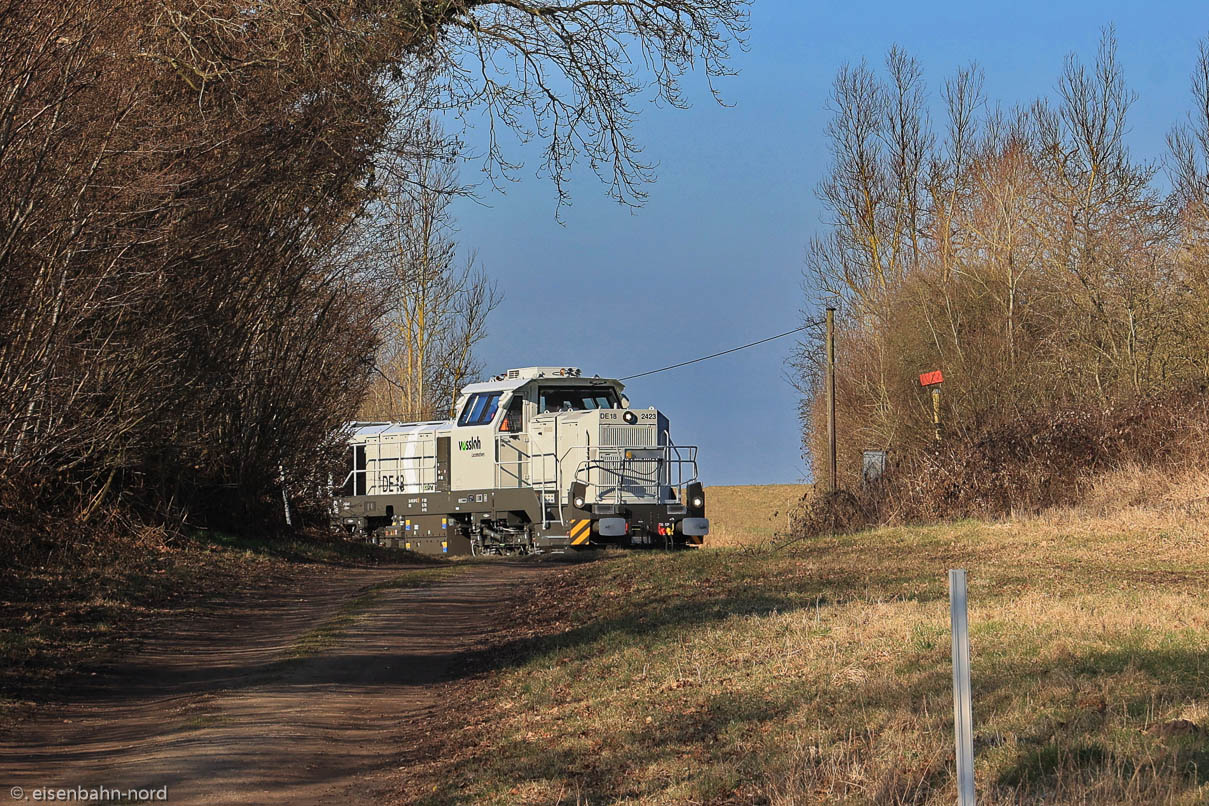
(203,721)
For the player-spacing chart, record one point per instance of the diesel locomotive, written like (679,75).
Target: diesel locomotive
(536,459)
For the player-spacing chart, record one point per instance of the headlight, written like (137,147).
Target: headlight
(579,503)
(698,501)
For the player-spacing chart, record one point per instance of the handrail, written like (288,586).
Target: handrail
(610,461)
(674,466)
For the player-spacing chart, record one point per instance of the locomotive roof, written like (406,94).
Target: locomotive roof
(514,379)
(362,430)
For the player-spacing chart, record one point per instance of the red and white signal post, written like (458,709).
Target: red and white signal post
(934,380)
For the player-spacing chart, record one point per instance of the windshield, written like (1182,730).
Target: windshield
(577,398)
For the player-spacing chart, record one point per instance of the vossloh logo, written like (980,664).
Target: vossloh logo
(475,444)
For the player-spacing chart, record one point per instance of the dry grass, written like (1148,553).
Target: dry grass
(1136,491)
(821,674)
(752,514)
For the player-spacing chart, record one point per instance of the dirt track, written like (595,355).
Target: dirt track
(233,709)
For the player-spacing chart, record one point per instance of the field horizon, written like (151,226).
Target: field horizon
(743,514)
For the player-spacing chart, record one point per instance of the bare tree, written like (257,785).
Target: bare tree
(436,307)
(179,314)
(568,72)
(1028,254)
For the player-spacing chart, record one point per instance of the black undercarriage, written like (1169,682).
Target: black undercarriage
(508,521)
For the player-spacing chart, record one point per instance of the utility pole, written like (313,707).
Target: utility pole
(832,477)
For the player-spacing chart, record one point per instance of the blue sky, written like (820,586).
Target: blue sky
(714,259)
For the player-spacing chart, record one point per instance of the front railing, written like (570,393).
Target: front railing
(637,475)
(613,473)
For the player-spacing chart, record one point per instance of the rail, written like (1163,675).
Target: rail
(516,468)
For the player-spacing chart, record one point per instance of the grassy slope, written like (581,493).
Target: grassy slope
(743,515)
(821,674)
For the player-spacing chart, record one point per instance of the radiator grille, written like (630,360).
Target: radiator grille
(633,479)
(628,436)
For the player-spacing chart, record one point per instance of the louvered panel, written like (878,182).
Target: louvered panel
(627,436)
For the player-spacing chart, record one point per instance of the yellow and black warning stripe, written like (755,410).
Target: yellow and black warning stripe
(580,532)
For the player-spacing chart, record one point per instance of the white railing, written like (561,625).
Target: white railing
(638,475)
(613,473)
(398,473)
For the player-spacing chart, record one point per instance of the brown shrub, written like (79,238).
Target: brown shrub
(1032,462)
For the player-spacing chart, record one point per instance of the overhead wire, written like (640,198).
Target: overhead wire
(756,343)
(806,326)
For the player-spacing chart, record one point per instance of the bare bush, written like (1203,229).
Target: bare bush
(1047,277)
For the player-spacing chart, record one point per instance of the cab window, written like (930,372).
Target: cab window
(514,420)
(581,398)
(480,409)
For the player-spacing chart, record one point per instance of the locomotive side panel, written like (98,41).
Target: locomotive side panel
(472,449)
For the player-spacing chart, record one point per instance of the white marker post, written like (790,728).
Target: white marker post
(963,708)
(285,499)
